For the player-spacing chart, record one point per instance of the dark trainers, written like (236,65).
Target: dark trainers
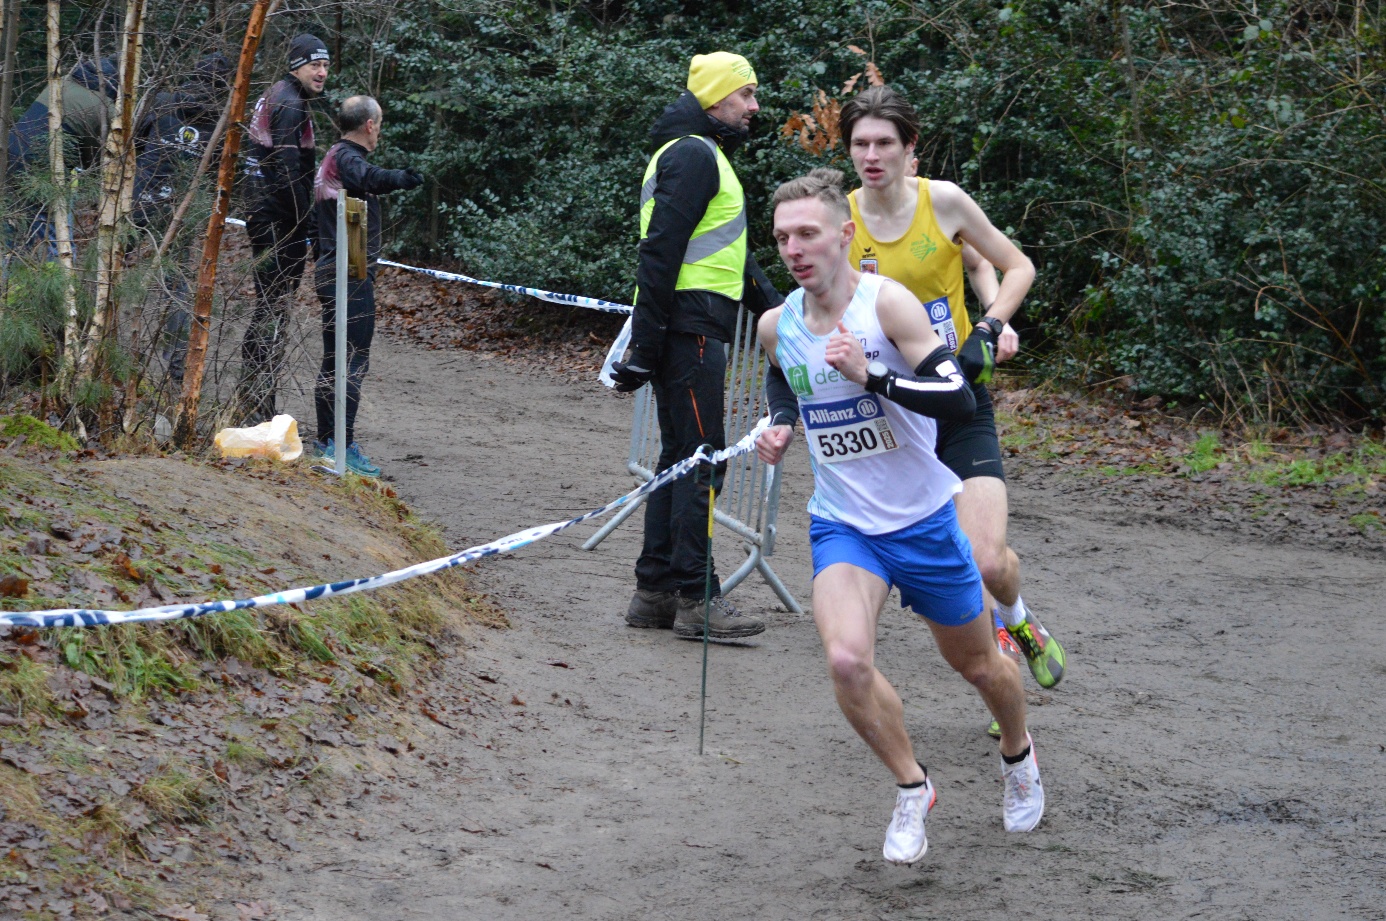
(724,621)
(652,609)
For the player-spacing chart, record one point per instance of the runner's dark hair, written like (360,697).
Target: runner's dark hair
(822,184)
(884,103)
(356,111)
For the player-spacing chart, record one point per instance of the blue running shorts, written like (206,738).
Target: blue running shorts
(930,562)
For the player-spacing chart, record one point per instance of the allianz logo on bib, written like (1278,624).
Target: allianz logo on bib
(938,310)
(842,412)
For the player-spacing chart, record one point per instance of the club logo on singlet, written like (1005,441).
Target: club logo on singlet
(869,263)
(923,248)
(799,380)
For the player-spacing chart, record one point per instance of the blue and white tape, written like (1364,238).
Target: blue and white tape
(82,617)
(573,300)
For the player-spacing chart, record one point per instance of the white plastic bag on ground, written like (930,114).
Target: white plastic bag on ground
(276,439)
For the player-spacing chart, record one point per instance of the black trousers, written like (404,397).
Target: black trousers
(690,386)
(281,250)
(359,332)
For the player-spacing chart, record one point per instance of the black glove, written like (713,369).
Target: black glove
(411,179)
(978,354)
(629,376)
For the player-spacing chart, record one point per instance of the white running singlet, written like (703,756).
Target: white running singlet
(873,461)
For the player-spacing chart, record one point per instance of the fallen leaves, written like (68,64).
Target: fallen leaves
(13,587)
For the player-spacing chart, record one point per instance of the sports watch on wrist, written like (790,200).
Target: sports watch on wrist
(994,324)
(877,375)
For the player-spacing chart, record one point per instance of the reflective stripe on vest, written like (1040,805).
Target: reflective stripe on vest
(715,259)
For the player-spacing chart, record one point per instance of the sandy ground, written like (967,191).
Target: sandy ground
(1214,752)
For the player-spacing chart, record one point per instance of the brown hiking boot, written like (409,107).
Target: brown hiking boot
(724,621)
(652,609)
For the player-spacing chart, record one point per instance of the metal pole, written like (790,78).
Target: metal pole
(707,589)
(340,370)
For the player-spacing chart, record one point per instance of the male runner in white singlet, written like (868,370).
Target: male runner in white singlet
(856,355)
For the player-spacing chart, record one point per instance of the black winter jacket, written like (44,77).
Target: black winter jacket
(282,154)
(346,167)
(171,140)
(686,180)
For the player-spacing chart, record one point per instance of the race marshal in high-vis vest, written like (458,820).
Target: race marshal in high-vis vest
(694,271)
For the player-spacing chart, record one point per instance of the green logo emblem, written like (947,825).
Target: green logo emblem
(799,380)
(923,248)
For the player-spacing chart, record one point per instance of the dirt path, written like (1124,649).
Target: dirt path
(1214,752)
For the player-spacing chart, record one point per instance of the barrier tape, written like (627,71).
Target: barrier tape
(81,617)
(572,300)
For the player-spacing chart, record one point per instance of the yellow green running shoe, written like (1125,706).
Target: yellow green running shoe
(994,730)
(1042,651)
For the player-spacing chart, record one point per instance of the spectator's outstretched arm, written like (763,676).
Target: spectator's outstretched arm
(361,177)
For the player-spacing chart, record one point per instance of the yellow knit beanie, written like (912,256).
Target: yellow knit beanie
(714,77)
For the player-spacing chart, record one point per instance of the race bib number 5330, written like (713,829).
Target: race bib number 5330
(848,429)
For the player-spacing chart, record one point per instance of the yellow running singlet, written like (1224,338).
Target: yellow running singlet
(924,261)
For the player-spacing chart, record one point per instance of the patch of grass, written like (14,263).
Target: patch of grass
(1364,463)
(177,793)
(1368,522)
(1143,469)
(23,685)
(239,751)
(137,659)
(39,434)
(1205,453)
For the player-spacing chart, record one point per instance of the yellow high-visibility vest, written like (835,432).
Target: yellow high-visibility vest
(715,259)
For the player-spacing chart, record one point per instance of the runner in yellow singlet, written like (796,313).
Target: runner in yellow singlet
(925,233)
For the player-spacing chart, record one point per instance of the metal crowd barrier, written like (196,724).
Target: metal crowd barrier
(748,504)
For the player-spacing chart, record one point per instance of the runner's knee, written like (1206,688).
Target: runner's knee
(982,671)
(850,668)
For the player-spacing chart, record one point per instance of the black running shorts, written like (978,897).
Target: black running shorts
(972,448)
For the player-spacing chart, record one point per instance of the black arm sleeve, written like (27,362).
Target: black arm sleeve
(686,181)
(937,389)
(784,405)
(361,177)
(760,295)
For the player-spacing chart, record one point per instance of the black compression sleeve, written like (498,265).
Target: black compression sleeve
(937,389)
(784,405)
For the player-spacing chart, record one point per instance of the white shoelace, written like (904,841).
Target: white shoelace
(909,805)
(1017,785)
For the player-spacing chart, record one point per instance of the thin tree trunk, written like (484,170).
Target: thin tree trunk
(57,207)
(11,21)
(9,17)
(186,427)
(117,182)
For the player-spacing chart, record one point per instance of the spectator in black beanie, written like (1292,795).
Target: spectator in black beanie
(280,163)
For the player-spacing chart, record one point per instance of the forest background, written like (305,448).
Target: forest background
(1200,184)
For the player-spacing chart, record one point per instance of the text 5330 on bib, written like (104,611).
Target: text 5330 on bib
(848,429)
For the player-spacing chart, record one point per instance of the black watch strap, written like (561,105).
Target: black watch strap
(994,324)
(877,376)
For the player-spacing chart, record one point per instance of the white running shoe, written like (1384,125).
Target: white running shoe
(905,839)
(1024,798)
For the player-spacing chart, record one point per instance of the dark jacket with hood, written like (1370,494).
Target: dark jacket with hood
(686,180)
(88,93)
(282,157)
(174,135)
